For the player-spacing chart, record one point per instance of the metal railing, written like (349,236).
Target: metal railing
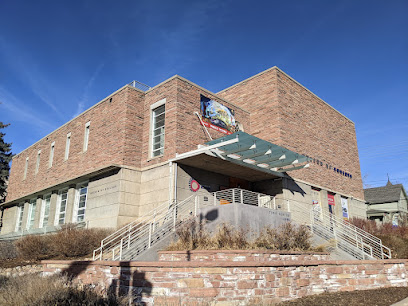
(349,238)
(133,239)
(140,235)
(242,196)
(139,85)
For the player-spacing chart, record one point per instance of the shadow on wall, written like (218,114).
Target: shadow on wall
(75,269)
(131,285)
(128,285)
(292,186)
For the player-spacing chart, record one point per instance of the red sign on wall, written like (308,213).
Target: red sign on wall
(330,199)
(217,128)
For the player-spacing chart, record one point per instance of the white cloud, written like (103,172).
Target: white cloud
(85,95)
(27,71)
(21,112)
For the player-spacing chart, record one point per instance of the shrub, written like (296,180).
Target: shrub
(192,235)
(396,238)
(286,237)
(55,290)
(7,250)
(69,242)
(74,242)
(34,247)
(230,238)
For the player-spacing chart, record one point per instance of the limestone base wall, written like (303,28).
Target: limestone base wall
(231,282)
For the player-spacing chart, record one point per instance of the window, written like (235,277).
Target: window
(45,210)
(25,169)
(37,164)
(86,136)
(157,132)
(67,144)
(51,155)
(20,213)
(80,202)
(61,207)
(31,213)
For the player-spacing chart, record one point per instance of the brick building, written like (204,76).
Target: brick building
(141,147)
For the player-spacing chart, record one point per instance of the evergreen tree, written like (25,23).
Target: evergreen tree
(5,158)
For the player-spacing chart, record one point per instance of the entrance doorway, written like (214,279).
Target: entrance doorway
(235,182)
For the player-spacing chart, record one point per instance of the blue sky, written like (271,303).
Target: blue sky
(58,58)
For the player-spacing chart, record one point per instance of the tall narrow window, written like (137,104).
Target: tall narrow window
(67,144)
(80,203)
(45,210)
(157,133)
(20,212)
(61,207)
(31,213)
(25,169)
(37,164)
(52,147)
(86,135)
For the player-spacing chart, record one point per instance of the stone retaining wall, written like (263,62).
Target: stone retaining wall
(231,282)
(238,255)
(21,270)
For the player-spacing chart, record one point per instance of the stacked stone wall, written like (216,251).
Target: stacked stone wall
(231,281)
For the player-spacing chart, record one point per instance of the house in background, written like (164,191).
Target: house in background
(387,204)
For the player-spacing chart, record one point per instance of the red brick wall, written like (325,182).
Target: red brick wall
(311,127)
(119,134)
(108,130)
(287,114)
(282,112)
(183,131)
(251,282)
(259,96)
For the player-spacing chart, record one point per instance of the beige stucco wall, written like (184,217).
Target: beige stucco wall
(154,188)
(9,220)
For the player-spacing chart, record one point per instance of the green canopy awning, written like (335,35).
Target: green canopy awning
(251,151)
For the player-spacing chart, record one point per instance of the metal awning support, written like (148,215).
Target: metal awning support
(293,168)
(205,149)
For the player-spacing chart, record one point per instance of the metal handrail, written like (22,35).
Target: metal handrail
(141,234)
(348,237)
(137,229)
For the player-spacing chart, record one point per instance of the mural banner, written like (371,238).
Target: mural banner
(344,207)
(330,199)
(217,116)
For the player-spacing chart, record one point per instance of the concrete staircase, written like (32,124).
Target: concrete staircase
(141,239)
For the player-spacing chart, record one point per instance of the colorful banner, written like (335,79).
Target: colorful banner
(217,116)
(330,199)
(344,207)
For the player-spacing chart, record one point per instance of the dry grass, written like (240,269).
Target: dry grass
(54,290)
(69,242)
(286,237)
(193,236)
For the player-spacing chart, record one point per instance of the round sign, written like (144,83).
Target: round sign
(194,185)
